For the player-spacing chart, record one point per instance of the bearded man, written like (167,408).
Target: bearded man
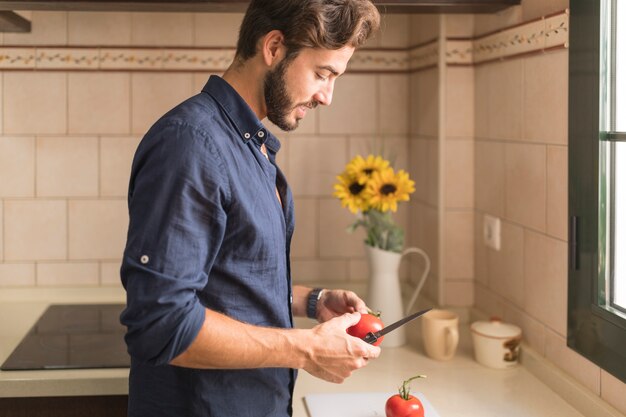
(210,300)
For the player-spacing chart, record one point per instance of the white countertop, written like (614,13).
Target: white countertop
(460,387)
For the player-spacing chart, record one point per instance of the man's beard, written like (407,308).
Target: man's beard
(277,99)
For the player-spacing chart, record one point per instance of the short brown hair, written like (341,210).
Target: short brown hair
(328,24)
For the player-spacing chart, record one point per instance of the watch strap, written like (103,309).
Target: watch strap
(311,302)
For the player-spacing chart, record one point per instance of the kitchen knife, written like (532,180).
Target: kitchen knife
(371,337)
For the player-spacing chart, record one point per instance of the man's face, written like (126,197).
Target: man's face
(292,88)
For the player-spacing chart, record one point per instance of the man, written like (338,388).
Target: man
(206,265)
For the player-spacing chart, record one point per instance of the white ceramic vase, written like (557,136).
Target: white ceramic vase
(383,292)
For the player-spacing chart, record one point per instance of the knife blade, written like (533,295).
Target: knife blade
(372,337)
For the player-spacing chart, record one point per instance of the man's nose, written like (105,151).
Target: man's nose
(325,95)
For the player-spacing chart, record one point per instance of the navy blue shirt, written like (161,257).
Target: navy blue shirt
(206,231)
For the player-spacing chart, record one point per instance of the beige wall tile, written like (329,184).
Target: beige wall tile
(67,166)
(99,103)
(426,115)
(35,230)
(557,192)
(17,166)
(314,163)
(481,268)
(395,149)
(482,88)
(526,185)
(459,176)
(359,270)
(433,186)
(216,29)
(47,28)
(97,229)
(35,102)
(110,273)
(459,25)
(613,390)
(545,280)
(418,170)
(490,177)
(353,106)
(1,231)
(67,274)
(506,100)
(430,244)
(571,362)
(17,274)
(424,27)
(304,242)
(459,293)
(314,271)
(487,301)
(459,245)
(532,9)
(116,157)
(334,239)
(533,331)
(99,28)
(459,102)
(155,94)
(162,29)
(489,22)
(393,104)
(545,97)
(395,31)
(506,266)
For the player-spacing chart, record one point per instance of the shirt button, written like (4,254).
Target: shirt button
(261,134)
(144,259)
(246,135)
(291,299)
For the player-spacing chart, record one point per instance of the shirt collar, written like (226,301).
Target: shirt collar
(245,120)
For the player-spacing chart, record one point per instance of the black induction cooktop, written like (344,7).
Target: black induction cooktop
(73,336)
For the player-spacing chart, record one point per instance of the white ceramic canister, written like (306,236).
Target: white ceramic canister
(496,344)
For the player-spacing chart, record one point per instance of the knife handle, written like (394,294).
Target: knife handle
(370,338)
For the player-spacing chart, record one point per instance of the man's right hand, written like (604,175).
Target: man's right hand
(332,354)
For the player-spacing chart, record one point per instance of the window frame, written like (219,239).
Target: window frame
(593,331)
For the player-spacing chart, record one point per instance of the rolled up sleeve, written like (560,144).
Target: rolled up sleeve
(177,199)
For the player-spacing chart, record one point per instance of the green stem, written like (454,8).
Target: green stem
(405,389)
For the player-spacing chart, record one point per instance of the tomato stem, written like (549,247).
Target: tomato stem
(373,313)
(405,389)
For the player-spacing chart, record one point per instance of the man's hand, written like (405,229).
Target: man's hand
(334,303)
(333,354)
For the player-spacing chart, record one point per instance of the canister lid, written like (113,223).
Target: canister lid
(495,328)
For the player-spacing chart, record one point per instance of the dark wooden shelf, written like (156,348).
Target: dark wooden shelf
(217,6)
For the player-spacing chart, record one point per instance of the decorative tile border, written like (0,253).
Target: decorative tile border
(531,37)
(535,36)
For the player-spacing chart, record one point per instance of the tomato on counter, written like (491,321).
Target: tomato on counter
(369,322)
(404,404)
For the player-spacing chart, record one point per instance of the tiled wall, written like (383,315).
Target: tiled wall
(68,136)
(521,136)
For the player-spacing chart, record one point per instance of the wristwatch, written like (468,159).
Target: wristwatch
(311,302)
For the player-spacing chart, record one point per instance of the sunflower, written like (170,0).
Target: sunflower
(351,192)
(386,188)
(363,169)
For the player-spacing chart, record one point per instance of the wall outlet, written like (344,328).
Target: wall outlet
(491,232)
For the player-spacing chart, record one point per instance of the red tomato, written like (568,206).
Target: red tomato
(397,406)
(368,323)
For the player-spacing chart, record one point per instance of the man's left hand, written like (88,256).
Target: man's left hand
(334,303)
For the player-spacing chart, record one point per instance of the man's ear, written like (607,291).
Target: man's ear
(273,47)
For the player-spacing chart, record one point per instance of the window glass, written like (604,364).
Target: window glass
(620,66)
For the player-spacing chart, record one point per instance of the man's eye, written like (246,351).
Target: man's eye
(320,77)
